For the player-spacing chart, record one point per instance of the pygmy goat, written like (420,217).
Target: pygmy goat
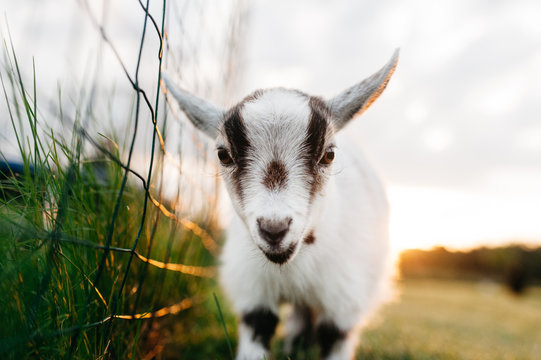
(311,222)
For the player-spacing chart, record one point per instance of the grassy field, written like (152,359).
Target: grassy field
(437,319)
(432,319)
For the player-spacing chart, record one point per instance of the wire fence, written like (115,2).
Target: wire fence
(119,232)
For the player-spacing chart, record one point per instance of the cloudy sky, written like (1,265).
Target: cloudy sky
(456,135)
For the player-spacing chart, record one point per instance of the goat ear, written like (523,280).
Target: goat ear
(204,115)
(359,97)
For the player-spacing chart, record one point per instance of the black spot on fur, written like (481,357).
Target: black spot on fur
(281,258)
(263,323)
(327,336)
(310,238)
(275,175)
(235,132)
(315,142)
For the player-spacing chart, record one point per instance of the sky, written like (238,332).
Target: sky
(456,136)
(457,133)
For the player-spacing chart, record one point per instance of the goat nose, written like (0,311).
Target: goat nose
(273,231)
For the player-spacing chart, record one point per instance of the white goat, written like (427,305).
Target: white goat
(311,227)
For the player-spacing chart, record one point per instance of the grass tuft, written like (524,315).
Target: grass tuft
(222,321)
(89,267)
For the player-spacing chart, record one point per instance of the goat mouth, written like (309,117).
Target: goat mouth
(280,257)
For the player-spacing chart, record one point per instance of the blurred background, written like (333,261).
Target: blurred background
(456,136)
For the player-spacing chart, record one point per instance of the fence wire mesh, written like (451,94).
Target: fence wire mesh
(103,233)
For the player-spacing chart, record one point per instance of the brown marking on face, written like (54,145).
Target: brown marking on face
(252,97)
(275,176)
(319,105)
(235,132)
(315,142)
(310,238)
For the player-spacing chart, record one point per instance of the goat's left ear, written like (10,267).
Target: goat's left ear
(203,114)
(359,97)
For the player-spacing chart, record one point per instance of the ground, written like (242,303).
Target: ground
(438,319)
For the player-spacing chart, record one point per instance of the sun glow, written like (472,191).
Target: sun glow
(428,217)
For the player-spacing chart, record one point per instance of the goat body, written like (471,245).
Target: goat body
(309,230)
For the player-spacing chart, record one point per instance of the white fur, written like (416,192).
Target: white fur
(249,349)
(343,275)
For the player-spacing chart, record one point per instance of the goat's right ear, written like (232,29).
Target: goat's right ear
(203,114)
(359,97)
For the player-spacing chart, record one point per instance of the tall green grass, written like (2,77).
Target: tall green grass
(76,227)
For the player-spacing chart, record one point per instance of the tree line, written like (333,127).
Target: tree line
(515,265)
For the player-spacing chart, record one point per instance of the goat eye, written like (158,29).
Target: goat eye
(224,157)
(328,157)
